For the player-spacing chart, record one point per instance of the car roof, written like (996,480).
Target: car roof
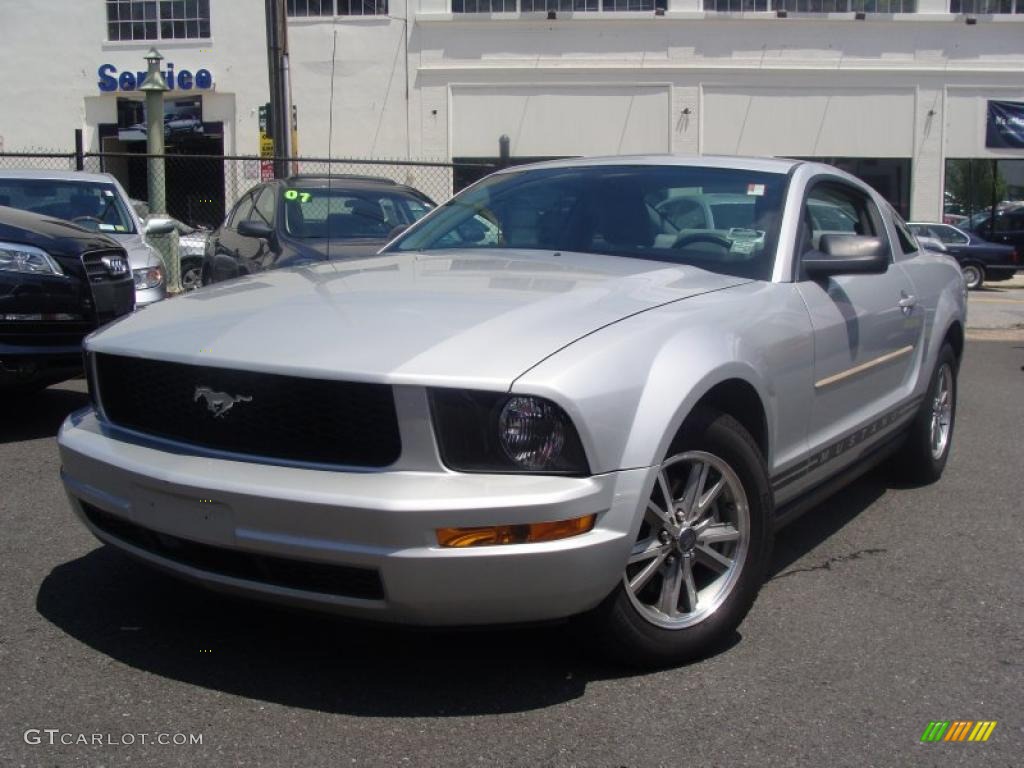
(20,173)
(759,164)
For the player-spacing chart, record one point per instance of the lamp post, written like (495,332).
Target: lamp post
(154,86)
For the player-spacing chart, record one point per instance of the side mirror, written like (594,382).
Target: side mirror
(255,229)
(158,226)
(847,255)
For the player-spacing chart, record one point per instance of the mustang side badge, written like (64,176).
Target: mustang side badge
(219,403)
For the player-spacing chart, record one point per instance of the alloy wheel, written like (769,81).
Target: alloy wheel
(692,542)
(942,411)
(972,276)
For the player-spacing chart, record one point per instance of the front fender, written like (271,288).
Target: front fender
(630,386)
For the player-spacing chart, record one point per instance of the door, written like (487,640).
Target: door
(866,331)
(227,242)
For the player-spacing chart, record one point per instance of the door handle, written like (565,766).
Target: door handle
(907,302)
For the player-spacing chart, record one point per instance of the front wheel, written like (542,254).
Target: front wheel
(191,274)
(700,553)
(974,275)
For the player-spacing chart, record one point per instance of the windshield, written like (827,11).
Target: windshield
(720,219)
(93,205)
(316,213)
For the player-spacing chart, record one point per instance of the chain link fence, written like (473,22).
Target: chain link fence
(200,189)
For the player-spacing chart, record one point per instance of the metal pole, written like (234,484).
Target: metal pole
(79,158)
(504,151)
(154,87)
(280,110)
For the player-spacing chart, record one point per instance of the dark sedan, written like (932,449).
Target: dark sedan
(58,283)
(288,222)
(980,260)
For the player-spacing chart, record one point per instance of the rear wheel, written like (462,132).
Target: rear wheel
(701,551)
(931,433)
(974,275)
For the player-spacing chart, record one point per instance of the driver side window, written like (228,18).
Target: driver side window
(834,208)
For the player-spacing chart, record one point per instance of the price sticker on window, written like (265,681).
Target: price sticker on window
(294,194)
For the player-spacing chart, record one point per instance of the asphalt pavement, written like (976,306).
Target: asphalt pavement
(887,607)
(996,310)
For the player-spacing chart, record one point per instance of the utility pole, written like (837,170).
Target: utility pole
(280,101)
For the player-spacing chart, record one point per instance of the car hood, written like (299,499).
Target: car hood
(140,254)
(457,318)
(56,236)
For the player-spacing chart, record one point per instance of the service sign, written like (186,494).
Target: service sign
(182,80)
(1005,127)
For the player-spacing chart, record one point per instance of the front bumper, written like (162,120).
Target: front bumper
(238,526)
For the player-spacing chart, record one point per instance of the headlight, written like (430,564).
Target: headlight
(27,259)
(148,277)
(494,432)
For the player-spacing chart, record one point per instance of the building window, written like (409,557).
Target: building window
(538,6)
(986,6)
(300,8)
(158,19)
(310,7)
(486,6)
(735,6)
(841,6)
(565,6)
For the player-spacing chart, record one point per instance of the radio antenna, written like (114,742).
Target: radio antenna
(330,140)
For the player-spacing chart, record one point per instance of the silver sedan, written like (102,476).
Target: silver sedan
(584,389)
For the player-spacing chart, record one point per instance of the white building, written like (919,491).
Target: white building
(892,95)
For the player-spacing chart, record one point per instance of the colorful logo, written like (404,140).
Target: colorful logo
(958,730)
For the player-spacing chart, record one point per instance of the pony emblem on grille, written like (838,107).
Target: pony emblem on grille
(219,403)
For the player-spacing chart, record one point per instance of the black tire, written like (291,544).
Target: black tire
(191,274)
(618,624)
(918,462)
(974,275)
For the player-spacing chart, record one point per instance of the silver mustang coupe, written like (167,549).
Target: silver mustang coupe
(590,388)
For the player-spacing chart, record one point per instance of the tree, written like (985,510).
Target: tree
(974,185)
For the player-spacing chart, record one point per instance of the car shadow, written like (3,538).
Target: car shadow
(151,622)
(826,519)
(39,415)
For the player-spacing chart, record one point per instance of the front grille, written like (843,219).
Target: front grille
(95,269)
(262,415)
(342,580)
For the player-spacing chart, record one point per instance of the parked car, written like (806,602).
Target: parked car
(593,414)
(1008,228)
(94,201)
(191,247)
(979,259)
(305,219)
(58,282)
(177,125)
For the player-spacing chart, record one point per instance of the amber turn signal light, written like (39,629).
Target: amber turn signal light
(527,533)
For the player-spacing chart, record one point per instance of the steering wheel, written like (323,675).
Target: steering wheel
(87,218)
(703,237)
